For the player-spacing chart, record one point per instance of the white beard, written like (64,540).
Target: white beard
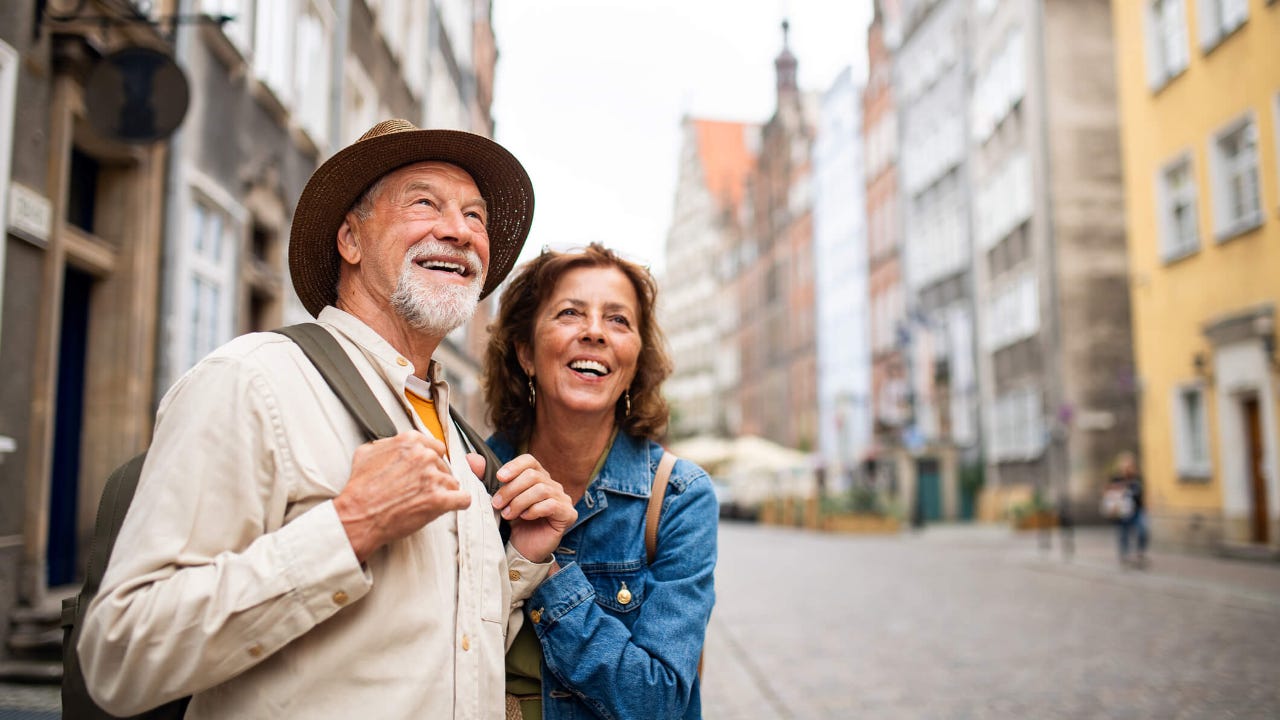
(437,309)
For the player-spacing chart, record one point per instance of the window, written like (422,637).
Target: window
(1219,18)
(272,59)
(1013,312)
(207,292)
(1178,220)
(1191,433)
(311,81)
(1017,426)
(1166,40)
(1234,155)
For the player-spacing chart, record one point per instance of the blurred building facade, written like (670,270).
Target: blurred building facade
(1199,87)
(127,262)
(698,311)
(841,295)
(1049,259)
(936,337)
(777,394)
(886,298)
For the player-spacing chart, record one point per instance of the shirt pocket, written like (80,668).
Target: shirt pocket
(620,587)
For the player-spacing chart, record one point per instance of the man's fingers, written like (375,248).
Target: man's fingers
(477,463)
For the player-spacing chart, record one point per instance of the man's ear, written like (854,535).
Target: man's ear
(348,242)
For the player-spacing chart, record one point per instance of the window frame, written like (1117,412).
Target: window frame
(1162,67)
(1171,251)
(1188,468)
(1214,27)
(1221,173)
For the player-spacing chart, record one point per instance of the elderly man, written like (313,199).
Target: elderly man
(274,565)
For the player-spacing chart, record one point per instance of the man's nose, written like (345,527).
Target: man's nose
(453,226)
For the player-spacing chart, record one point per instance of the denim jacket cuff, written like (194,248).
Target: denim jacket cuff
(558,595)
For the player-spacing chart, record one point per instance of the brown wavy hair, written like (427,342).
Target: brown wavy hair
(506,386)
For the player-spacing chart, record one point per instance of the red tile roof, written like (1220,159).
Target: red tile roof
(726,157)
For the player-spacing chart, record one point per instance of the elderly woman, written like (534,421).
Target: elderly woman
(572,377)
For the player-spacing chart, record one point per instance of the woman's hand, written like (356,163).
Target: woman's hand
(538,508)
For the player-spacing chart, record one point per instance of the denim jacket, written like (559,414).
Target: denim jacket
(612,653)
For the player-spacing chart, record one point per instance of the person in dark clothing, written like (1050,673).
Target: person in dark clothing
(1126,474)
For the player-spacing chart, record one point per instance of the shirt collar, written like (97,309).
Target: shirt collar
(374,345)
(629,468)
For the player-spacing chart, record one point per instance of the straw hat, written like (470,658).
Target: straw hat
(336,185)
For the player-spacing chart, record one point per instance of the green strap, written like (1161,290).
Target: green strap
(335,365)
(322,348)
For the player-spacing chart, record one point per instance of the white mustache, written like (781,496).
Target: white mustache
(435,248)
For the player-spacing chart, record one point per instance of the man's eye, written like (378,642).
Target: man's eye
(477,215)
(424,201)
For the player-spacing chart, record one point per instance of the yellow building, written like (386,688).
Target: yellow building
(1199,85)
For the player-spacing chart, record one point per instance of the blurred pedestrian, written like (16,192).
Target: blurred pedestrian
(573,376)
(1131,527)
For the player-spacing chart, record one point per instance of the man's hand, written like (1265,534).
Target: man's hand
(397,485)
(538,508)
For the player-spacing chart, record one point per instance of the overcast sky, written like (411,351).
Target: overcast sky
(589,95)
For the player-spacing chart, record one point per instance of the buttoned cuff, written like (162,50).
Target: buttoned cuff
(320,564)
(525,574)
(558,596)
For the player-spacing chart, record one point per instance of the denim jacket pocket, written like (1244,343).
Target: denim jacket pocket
(619,587)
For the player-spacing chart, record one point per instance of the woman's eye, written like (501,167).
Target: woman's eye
(622,320)
(566,312)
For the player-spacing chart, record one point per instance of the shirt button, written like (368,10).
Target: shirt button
(340,598)
(402,362)
(514,575)
(255,651)
(466,643)
(536,616)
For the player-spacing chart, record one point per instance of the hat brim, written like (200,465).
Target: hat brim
(335,186)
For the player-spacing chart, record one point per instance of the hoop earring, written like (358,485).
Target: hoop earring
(533,394)
(627,399)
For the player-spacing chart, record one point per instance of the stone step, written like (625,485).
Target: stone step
(31,671)
(46,615)
(1249,551)
(31,641)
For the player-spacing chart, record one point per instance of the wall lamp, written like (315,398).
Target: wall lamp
(1200,363)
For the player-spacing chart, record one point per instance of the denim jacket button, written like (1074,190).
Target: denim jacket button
(624,595)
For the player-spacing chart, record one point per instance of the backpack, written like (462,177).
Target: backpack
(1117,503)
(336,367)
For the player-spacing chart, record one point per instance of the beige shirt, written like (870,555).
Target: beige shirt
(233,579)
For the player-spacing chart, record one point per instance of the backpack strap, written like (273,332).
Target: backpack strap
(335,365)
(654,512)
(322,348)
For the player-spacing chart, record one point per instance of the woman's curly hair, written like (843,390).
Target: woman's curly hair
(506,386)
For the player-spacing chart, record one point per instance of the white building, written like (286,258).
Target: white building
(715,159)
(841,292)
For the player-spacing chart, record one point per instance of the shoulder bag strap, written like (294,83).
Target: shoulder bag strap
(654,513)
(341,374)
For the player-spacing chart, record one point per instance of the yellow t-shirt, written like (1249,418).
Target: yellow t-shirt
(426,410)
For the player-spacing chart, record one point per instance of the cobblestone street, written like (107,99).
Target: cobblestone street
(966,622)
(959,622)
